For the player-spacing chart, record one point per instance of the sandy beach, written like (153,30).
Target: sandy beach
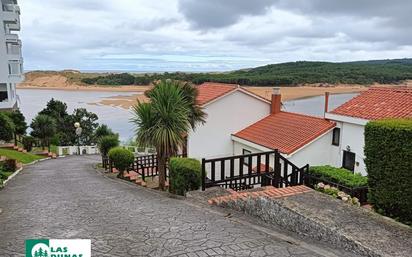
(288,93)
(58,81)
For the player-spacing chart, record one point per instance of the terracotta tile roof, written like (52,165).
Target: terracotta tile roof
(210,91)
(379,103)
(285,131)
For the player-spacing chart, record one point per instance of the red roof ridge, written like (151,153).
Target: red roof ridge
(408,89)
(254,94)
(222,89)
(205,95)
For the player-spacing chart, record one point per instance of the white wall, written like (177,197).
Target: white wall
(319,152)
(5,57)
(226,116)
(73,150)
(352,135)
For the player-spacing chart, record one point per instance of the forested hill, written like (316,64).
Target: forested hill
(287,74)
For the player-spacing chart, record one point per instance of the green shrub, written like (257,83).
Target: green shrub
(388,151)
(6,127)
(106,143)
(121,158)
(185,175)
(28,142)
(9,165)
(339,175)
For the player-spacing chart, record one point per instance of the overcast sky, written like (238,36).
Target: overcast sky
(209,35)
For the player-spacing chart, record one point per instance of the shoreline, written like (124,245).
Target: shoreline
(90,88)
(136,92)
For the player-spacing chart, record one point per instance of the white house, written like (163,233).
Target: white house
(11,62)
(229,108)
(240,122)
(301,139)
(351,118)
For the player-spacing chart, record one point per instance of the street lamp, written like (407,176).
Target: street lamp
(78,134)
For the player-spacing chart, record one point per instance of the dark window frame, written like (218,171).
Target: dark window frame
(336,137)
(348,154)
(246,159)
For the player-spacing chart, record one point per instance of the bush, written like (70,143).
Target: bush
(388,151)
(9,165)
(6,127)
(121,158)
(339,176)
(185,175)
(107,142)
(28,142)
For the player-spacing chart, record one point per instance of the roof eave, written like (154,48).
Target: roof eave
(237,89)
(345,118)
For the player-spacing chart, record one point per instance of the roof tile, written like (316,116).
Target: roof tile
(285,131)
(379,103)
(209,91)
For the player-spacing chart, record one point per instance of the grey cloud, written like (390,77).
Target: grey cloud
(216,13)
(85,34)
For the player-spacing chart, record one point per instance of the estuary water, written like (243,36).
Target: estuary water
(33,100)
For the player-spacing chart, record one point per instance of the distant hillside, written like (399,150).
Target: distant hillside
(284,74)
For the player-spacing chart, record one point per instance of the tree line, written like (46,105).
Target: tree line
(52,126)
(284,74)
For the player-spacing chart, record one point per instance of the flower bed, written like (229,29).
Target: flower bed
(336,193)
(343,180)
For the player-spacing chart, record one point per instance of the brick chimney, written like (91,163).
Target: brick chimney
(276,101)
(326,102)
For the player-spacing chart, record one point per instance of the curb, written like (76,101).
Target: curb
(36,161)
(12,176)
(21,169)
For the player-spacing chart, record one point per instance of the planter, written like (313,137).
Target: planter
(359,192)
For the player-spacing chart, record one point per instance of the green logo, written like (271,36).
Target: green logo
(58,248)
(37,248)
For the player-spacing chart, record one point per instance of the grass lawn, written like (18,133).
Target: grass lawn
(53,149)
(21,157)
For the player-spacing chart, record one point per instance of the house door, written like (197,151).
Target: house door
(348,160)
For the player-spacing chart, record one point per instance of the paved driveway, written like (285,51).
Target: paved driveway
(67,198)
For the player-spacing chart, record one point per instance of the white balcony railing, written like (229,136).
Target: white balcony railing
(11,8)
(15,68)
(14,49)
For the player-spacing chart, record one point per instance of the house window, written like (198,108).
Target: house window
(246,159)
(348,160)
(336,136)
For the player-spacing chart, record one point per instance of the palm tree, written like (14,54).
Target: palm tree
(165,121)
(44,128)
(196,113)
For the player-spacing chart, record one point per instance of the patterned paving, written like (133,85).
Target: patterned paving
(67,198)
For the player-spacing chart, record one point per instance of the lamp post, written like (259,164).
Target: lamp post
(78,134)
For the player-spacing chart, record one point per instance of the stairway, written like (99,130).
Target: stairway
(135,178)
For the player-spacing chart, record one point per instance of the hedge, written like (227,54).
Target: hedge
(121,158)
(388,151)
(185,175)
(339,175)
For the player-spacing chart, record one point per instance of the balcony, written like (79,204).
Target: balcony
(14,50)
(11,12)
(16,71)
(12,37)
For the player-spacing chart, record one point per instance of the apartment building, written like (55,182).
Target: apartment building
(11,61)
